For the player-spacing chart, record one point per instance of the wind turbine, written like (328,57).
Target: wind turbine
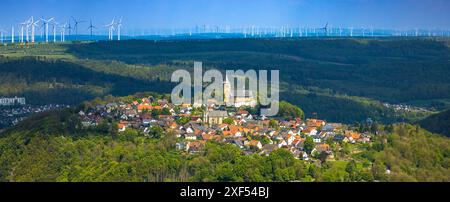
(54,30)
(22,25)
(69,28)
(91,26)
(45,24)
(28,24)
(325,29)
(119,25)
(12,34)
(63,32)
(76,26)
(2,31)
(33,25)
(110,29)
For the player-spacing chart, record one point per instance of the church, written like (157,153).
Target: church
(242,97)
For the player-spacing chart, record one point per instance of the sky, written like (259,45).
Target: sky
(157,14)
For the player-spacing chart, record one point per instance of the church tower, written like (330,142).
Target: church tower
(226,90)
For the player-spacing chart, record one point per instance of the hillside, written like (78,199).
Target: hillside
(341,80)
(391,70)
(48,148)
(437,123)
(44,81)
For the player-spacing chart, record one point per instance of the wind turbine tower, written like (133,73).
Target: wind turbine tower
(1,36)
(76,26)
(33,26)
(69,28)
(91,27)
(28,28)
(63,32)
(119,25)
(22,25)
(54,31)
(12,34)
(45,23)
(110,29)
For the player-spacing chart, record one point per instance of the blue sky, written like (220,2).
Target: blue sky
(399,14)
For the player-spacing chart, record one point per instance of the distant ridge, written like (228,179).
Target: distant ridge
(438,123)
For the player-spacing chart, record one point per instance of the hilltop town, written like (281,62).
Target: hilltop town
(194,126)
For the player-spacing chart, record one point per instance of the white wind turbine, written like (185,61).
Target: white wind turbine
(119,25)
(22,25)
(110,29)
(45,23)
(54,30)
(63,32)
(33,25)
(12,34)
(2,35)
(29,22)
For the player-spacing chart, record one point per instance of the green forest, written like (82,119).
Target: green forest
(46,81)
(392,70)
(47,148)
(437,123)
(339,80)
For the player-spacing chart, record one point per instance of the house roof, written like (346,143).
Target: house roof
(144,107)
(207,136)
(270,147)
(254,143)
(322,147)
(120,125)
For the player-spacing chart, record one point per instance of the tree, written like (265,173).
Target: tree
(165,111)
(379,171)
(156,132)
(228,120)
(289,111)
(309,145)
(183,120)
(351,170)
(273,123)
(322,156)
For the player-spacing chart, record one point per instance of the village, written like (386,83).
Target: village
(11,115)
(195,126)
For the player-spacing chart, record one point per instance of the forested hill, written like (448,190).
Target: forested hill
(340,80)
(46,148)
(438,123)
(392,70)
(45,81)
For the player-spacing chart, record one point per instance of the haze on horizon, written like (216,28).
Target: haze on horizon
(156,14)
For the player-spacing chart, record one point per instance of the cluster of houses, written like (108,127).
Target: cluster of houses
(194,127)
(12,115)
(405,108)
